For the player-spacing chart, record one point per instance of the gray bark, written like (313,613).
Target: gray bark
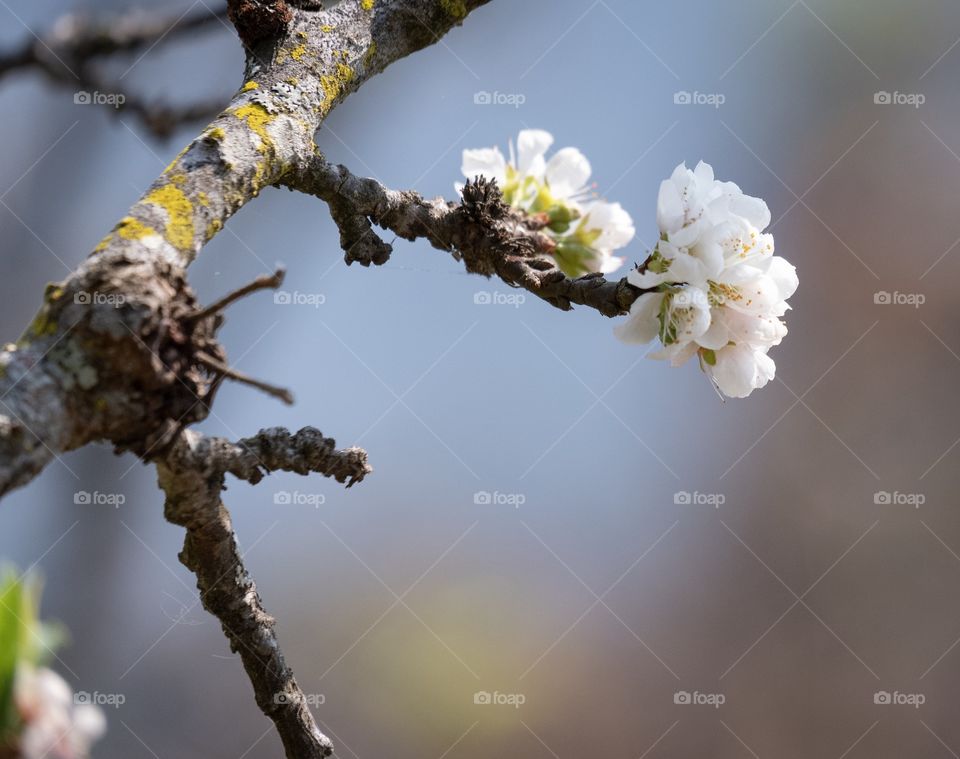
(121,351)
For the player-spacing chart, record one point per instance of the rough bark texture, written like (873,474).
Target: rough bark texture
(488,236)
(108,356)
(69,55)
(122,352)
(192,476)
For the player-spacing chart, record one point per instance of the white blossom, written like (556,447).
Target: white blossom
(587,231)
(716,289)
(53,726)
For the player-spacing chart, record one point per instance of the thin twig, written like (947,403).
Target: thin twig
(220,368)
(263,282)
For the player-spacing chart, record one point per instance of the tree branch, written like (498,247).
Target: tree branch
(122,351)
(192,477)
(112,355)
(487,235)
(68,56)
(77,38)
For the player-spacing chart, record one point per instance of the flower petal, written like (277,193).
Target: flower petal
(567,173)
(531,145)
(740,370)
(487,162)
(642,325)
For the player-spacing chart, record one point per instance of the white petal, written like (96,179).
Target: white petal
(741,369)
(52,690)
(688,268)
(670,208)
(754,210)
(613,221)
(717,336)
(642,325)
(531,145)
(610,264)
(488,162)
(687,236)
(784,274)
(677,354)
(89,723)
(648,279)
(752,329)
(567,172)
(689,313)
(704,172)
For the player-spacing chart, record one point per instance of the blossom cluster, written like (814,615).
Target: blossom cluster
(587,230)
(40,717)
(54,727)
(716,290)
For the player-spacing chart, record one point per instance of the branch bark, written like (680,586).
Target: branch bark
(110,355)
(69,54)
(122,351)
(488,236)
(192,477)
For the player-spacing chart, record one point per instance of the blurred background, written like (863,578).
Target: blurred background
(817,563)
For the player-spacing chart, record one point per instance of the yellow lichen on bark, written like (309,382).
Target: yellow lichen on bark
(179,231)
(334,84)
(130,228)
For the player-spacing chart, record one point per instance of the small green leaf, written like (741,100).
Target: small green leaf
(24,639)
(657,263)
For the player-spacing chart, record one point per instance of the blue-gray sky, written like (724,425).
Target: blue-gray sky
(451,398)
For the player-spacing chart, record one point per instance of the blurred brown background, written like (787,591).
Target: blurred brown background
(598,599)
